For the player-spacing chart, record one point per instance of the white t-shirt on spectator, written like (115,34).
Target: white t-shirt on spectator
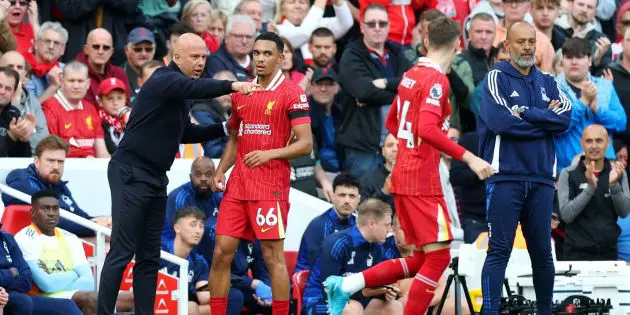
(32,243)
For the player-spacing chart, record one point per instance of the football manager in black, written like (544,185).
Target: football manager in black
(158,123)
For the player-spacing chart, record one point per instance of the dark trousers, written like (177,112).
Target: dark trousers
(138,209)
(602,253)
(24,304)
(531,204)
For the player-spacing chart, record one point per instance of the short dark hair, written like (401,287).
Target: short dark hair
(321,32)
(430,15)
(373,208)
(179,29)
(43,194)
(576,47)
(51,142)
(347,180)
(482,16)
(375,6)
(150,65)
(272,37)
(11,73)
(443,32)
(190,211)
(555,3)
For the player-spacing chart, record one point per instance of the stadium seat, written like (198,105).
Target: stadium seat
(290,258)
(15,218)
(299,283)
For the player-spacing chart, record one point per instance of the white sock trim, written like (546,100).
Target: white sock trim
(353,283)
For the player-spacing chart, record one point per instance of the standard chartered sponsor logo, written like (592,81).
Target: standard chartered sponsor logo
(257,129)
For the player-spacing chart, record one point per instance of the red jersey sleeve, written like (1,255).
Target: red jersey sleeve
(391,122)
(98,124)
(297,107)
(51,117)
(235,120)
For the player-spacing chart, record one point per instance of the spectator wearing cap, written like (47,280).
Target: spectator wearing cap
(370,71)
(23,99)
(140,49)
(24,32)
(113,111)
(234,54)
(50,42)
(70,116)
(97,54)
(326,115)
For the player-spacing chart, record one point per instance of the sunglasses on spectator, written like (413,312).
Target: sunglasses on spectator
(372,24)
(98,47)
(22,2)
(140,49)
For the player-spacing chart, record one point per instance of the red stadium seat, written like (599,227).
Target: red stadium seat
(299,283)
(290,258)
(15,218)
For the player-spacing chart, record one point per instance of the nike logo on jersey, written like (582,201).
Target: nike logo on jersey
(514,94)
(263,230)
(240,106)
(67,126)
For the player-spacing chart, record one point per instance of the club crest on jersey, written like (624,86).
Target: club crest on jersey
(88,122)
(303,98)
(543,93)
(436,91)
(269,107)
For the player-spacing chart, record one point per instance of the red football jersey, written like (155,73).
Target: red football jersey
(423,88)
(264,121)
(79,127)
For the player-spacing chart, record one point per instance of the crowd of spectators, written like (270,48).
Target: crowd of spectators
(70,71)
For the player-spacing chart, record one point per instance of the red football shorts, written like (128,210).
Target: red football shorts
(253,219)
(424,219)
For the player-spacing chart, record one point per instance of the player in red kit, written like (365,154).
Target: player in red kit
(419,118)
(255,204)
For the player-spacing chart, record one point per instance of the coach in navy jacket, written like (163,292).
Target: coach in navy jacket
(522,110)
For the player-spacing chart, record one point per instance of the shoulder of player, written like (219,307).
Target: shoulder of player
(27,233)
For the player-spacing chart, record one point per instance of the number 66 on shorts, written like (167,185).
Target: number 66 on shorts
(253,219)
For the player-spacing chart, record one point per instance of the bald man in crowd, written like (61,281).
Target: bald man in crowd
(593,193)
(522,110)
(97,54)
(157,125)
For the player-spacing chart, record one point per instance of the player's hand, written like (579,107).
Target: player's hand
(622,155)
(217,184)
(379,83)
(245,87)
(615,173)
(554,104)
(4,297)
(257,158)
(103,221)
(370,292)
(590,174)
(328,190)
(480,167)
(387,185)
(392,293)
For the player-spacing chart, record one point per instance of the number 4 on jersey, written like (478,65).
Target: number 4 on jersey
(405,127)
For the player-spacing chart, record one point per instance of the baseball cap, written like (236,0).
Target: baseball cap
(111,84)
(325,73)
(140,34)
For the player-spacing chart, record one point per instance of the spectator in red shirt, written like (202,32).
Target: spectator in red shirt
(196,14)
(74,119)
(97,54)
(24,32)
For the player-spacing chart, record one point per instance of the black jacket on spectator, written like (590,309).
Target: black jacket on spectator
(361,126)
(208,112)
(324,137)
(372,185)
(159,121)
(594,230)
(79,17)
(478,61)
(471,190)
(621,81)
(9,147)
(222,61)
(563,34)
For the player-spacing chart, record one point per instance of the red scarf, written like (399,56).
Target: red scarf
(115,122)
(40,69)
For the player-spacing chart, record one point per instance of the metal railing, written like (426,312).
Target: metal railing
(101,232)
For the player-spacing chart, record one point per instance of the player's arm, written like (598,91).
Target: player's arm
(228,158)
(203,133)
(498,116)
(557,117)
(181,87)
(204,295)
(302,146)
